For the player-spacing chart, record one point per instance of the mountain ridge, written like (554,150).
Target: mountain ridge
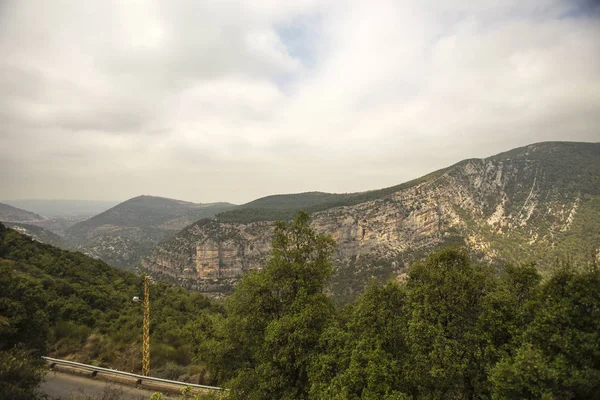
(10,213)
(250,212)
(538,201)
(40,234)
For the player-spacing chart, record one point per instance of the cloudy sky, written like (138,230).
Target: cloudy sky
(233,100)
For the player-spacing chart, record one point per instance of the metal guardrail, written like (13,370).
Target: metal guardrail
(140,378)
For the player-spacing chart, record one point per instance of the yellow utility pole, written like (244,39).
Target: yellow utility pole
(146,338)
(146,332)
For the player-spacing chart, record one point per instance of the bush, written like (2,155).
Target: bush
(20,374)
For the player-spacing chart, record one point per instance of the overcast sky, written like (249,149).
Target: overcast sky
(233,100)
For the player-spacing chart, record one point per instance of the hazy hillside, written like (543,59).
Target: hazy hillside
(63,208)
(122,234)
(55,224)
(14,214)
(46,230)
(40,234)
(534,203)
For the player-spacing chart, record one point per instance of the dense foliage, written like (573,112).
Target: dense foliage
(23,331)
(452,329)
(68,305)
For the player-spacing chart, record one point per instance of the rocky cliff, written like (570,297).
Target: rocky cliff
(531,204)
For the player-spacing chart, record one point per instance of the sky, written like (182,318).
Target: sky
(232,100)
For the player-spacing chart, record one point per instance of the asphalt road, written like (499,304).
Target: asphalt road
(62,386)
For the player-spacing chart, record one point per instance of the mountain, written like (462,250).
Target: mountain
(533,203)
(129,230)
(13,214)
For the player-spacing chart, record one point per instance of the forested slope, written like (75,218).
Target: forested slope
(89,311)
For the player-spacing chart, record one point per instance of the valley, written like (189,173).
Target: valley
(537,204)
(300,200)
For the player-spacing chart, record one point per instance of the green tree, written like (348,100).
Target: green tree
(365,357)
(23,333)
(445,301)
(23,318)
(508,308)
(560,354)
(263,348)
(20,373)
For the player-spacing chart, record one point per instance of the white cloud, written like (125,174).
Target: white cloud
(231,100)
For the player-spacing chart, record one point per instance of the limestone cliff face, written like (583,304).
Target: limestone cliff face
(503,208)
(209,250)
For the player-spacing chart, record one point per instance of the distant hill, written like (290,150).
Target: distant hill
(63,208)
(13,214)
(536,203)
(127,231)
(56,225)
